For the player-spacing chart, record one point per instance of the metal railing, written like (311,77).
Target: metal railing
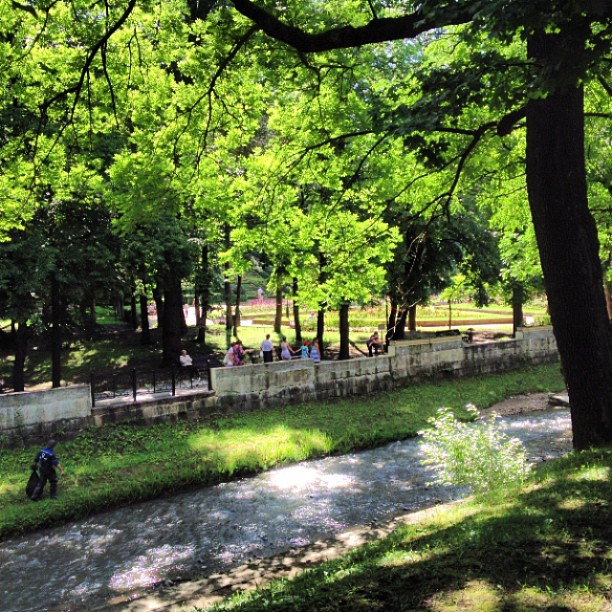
(133,382)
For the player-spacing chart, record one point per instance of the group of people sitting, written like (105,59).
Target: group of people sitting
(374,345)
(235,355)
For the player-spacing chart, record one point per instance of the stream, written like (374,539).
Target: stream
(87,563)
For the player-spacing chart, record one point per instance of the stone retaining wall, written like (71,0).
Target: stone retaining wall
(44,413)
(407,361)
(67,410)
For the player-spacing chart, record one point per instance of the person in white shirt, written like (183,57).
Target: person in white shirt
(186,360)
(267,348)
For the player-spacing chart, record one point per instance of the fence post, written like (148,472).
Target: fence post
(173,381)
(133,375)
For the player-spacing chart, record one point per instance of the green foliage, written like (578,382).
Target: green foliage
(479,455)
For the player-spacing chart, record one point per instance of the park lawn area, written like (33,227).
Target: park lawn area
(116,465)
(544,546)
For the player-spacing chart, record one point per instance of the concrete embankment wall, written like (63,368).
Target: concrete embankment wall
(44,413)
(63,412)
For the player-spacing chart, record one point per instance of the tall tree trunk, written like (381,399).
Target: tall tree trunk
(412,318)
(344,331)
(569,249)
(91,318)
(158,298)
(518,299)
(173,317)
(227,291)
(20,332)
(400,324)
(145,336)
(320,327)
(608,295)
(237,310)
(296,314)
(133,309)
(391,321)
(278,316)
(56,333)
(196,305)
(204,291)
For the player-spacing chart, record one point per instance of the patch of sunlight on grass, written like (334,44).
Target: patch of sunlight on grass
(8,488)
(529,598)
(532,598)
(571,504)
(475,595)
(591,473)
(398,558)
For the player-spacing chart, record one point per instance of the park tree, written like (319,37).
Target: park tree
(532,80)
(564,43)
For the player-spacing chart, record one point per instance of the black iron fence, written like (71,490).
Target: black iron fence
(132,383)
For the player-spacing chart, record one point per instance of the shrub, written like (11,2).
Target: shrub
(478,455)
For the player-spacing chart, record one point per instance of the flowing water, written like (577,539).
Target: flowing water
(83,564)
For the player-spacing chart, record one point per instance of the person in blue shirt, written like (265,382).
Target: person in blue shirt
(47,462)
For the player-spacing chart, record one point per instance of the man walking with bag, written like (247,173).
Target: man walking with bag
(47,462)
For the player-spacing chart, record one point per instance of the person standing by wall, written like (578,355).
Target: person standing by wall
(286,350)
(315,352)
(47,462)
(267,348)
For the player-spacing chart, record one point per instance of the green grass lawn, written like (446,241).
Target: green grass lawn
(116,465)
(545,546)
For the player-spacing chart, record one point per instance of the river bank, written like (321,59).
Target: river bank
(200,590)
(224,532)
(116,465)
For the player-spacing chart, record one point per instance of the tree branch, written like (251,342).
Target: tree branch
(376,31)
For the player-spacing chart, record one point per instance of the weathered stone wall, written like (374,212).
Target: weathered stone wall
(44,413)
(67,410)
(408,361)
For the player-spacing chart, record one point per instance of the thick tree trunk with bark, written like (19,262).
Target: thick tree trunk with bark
(568,245)
(344,332)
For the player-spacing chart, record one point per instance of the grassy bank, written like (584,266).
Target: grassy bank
(546,547)
(116,465)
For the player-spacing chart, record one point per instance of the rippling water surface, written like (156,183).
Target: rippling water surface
(86,563)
